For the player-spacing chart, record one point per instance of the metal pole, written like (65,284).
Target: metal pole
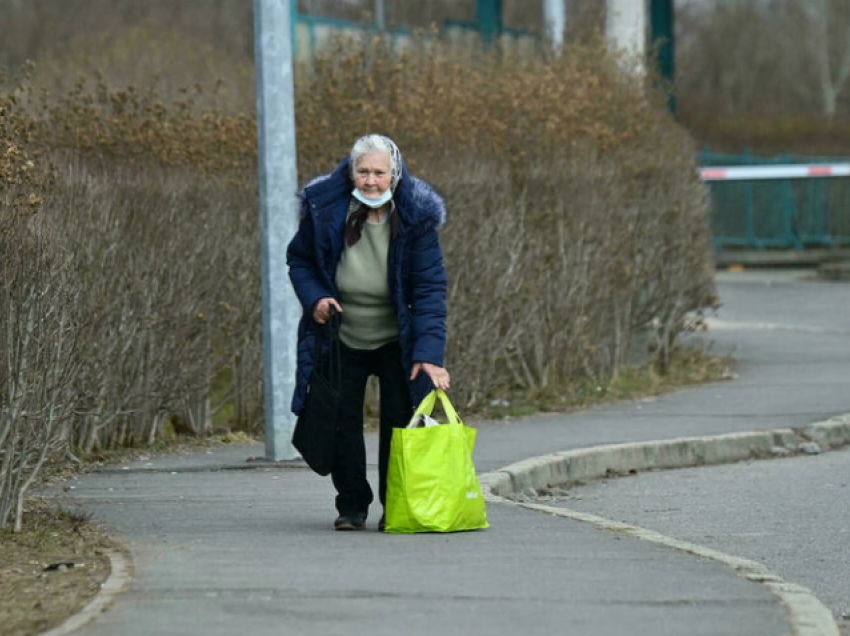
(380,14)
(555,18)
(278,217)
(625,27)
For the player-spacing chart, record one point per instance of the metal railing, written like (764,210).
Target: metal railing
(780,202)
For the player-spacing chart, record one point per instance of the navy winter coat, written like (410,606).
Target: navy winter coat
(416,271)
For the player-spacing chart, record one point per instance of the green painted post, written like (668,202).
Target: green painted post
(293,27)
(810,225)
(488,17)
(791,237)
(824,232)
(749,215)
(661,21)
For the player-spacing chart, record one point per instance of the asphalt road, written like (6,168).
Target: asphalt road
(792,515)
(219,551)
(253,552)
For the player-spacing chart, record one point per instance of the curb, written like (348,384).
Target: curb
(806,615)
(597,462)
(119,577)
(249,464)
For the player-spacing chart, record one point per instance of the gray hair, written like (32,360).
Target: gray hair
(371,144)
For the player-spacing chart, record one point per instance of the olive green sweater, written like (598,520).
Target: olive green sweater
(368,318)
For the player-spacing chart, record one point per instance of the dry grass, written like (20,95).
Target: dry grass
(34,599)
(689,366)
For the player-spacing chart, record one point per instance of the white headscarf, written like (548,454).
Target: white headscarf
(378,143)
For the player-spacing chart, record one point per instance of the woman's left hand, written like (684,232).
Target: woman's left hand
(439,376)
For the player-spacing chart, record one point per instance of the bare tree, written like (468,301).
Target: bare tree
(790,58)
(829,41)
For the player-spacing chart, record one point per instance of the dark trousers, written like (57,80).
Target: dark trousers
(349,468)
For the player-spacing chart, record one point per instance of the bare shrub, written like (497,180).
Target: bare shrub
(553,285)
(37,314)
(84,34)
(38,362)
(576,212)
(576,218)
(170,285)
(66,35)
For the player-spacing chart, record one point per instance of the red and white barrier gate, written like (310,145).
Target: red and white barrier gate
(798,171)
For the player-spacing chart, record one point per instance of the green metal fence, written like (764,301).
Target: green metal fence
(779,213)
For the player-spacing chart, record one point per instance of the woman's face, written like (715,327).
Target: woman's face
(372,174)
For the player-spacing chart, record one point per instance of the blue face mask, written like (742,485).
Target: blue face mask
(369,201)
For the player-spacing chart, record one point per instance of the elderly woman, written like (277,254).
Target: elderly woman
(367,247)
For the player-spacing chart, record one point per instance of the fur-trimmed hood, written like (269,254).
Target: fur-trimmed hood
(420,204)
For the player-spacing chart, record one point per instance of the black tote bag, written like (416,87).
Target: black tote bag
(315,429)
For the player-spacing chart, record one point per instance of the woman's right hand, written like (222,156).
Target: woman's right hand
(322,310)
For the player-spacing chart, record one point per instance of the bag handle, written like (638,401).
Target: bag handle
(426,407)
(330,332)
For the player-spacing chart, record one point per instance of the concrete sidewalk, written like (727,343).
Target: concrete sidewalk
(219,551)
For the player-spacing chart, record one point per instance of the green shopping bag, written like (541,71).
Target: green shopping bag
(431,480)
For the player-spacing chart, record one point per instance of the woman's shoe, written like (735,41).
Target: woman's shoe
(350,522)
(382,524)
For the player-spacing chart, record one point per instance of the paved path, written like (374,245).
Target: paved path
(793,515)
(218,551)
